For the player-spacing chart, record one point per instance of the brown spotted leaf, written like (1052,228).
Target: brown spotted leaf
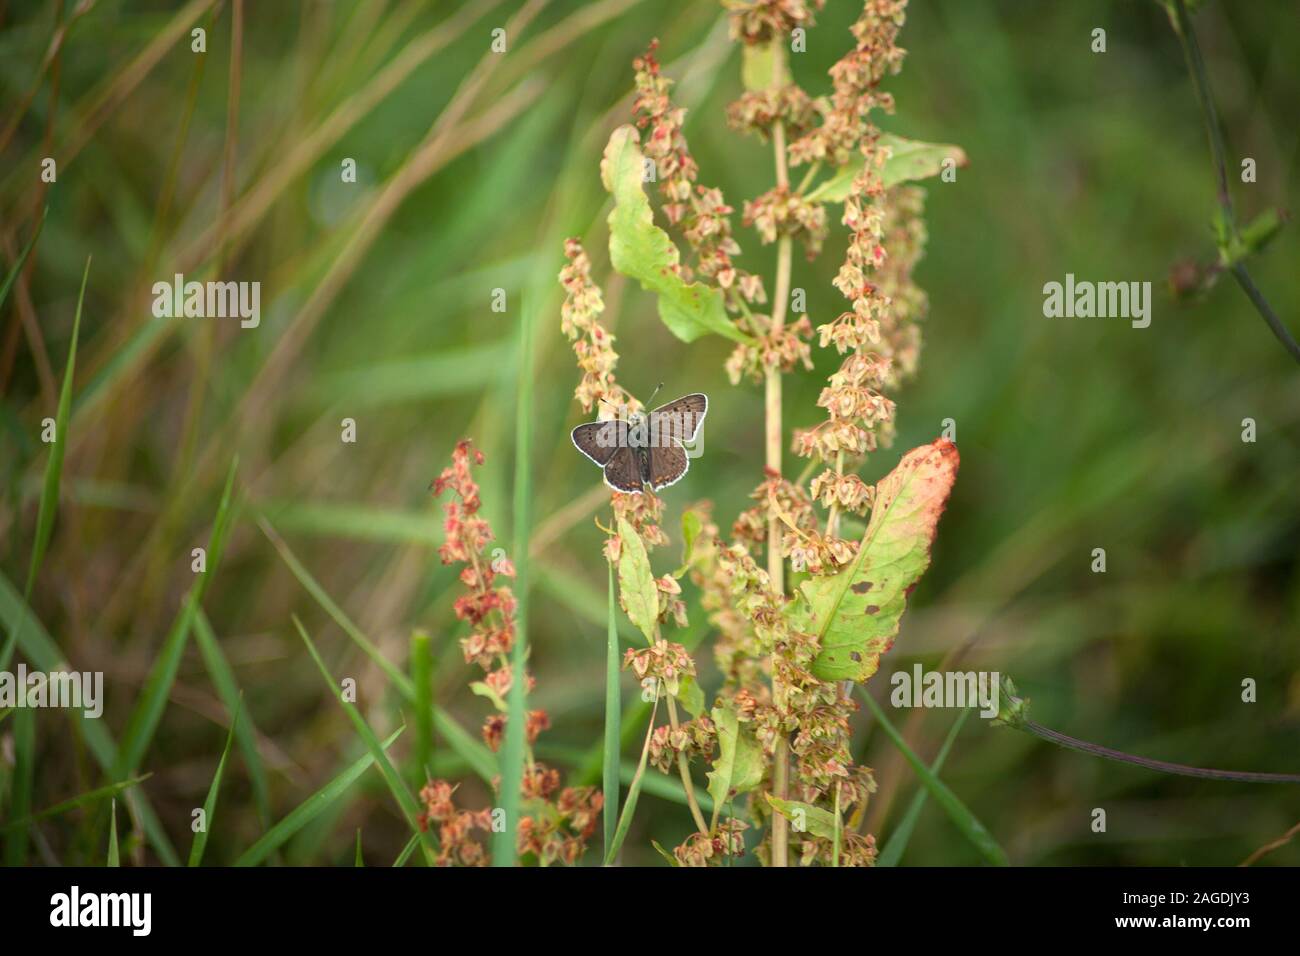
(856,613)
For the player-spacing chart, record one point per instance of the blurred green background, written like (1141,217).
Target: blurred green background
(1075,434)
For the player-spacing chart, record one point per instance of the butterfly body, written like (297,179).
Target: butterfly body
(643,450)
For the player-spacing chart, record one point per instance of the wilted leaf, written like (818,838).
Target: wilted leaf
(739,767)
(636,583)
(805,817)
(641,250)
(856,613)
(909,160)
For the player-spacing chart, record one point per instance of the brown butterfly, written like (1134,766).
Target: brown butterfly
(640,449)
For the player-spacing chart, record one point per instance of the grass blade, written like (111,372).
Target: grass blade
(21,781)
(112,790)
(54,467)
(113,859)
(613,715)
(210,804)
(22,258)
(358,860)
(405,800)
(476,754)
(41,650)
(407,850)
(153,698)
(223,680)
(422,678)
(49,505)
(633,793)
(965,821)
(897,843)
(309,809)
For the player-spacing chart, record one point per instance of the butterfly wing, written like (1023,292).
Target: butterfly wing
(623,470)
(597,440)
(667,465)
(678,421)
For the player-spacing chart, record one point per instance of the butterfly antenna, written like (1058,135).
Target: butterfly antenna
(650,403)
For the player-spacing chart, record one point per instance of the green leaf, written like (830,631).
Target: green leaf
(966,822)
(909,160)
(636,582)
(481,689)
(689,695)
(672,860)
(692,525)
(309,809)
(739,767)
(1253,238)
(210,804)
(641,250)
(856,612)
(805,817)
(897,843)
(763,65)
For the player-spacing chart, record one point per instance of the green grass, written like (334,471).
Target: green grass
(401,793)
(473,752)
(965,821)
(896,845)
(153,699)
(311,808)
(210,804)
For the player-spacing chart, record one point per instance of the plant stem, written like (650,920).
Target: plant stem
(775,565)
(633,790)
(684,768)
(515,750)
(1218,153)
(613,719)
(833,519)
(1182,770)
